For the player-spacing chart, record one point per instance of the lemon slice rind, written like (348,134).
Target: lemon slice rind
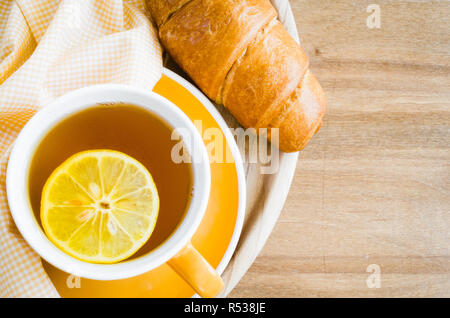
(93,220)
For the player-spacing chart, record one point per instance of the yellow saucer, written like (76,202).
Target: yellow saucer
(217,236)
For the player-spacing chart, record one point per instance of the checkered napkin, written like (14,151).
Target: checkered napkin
(47,48)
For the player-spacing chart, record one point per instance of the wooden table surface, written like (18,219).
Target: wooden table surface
(368,213)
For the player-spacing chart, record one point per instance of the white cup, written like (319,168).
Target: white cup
(176,250)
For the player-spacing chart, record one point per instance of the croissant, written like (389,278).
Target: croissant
(240,55)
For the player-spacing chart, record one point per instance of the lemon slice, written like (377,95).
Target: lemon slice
(99,206)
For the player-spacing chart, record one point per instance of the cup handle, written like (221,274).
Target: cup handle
(196,271)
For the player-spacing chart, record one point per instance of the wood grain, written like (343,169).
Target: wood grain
(373,186)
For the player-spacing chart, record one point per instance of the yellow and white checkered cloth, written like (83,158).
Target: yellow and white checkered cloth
(47,48)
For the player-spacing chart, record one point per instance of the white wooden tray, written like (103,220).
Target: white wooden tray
(266,193)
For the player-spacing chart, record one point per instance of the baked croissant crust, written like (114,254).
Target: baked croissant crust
(241,56)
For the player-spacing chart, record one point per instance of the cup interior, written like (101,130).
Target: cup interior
(35,155)
(132,130)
